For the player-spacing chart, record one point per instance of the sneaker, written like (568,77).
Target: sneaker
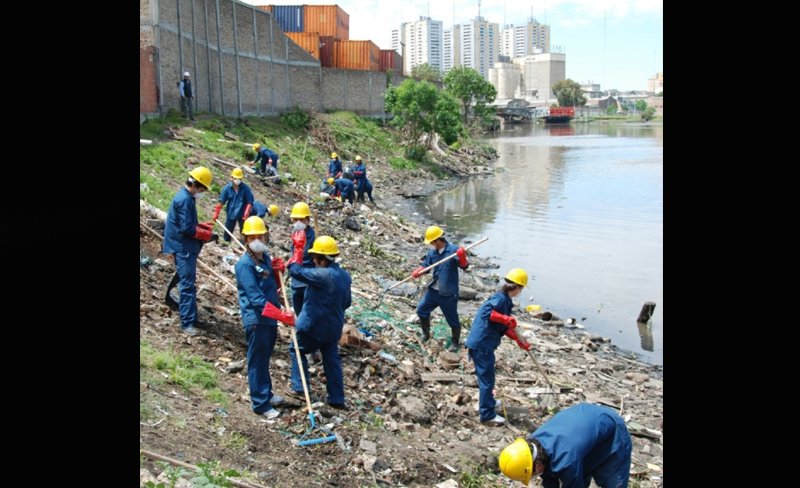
(270,414)
(498,405)
(276,400)
(200,324)
(497,420)
(453,347)
(190,330)
(297,394)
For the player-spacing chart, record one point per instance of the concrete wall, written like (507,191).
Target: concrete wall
(240,63)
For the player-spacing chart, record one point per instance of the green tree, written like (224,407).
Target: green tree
(660,94)
(641,105)
(569,93)
(648,113)
(426,72)
(468,85)
(447,121)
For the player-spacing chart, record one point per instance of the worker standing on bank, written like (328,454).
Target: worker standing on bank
(183,237)
(363,185)
(579,443)
(239,198)
(334,167)
(256,281)
(301,221)
(492,321)
(319,325)
(443,288)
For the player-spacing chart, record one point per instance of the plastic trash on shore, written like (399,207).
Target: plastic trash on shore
(533,308)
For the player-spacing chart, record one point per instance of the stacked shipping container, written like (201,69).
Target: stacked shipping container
(327,20)
(391,61)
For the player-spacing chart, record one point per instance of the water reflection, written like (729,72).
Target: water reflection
(580,208)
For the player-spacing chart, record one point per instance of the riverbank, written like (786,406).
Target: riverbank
(413,420)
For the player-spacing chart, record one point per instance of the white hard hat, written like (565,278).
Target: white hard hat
(186,73)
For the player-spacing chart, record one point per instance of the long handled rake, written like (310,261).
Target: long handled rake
(467,248)
(303,441)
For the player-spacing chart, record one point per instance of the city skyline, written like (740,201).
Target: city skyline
(615,43)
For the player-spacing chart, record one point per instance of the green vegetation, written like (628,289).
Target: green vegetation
(569,93)
(472,89)
(640,105)
(296,118)
(191,373)
(211,475)
(648,113)
(479,477)
(426,72)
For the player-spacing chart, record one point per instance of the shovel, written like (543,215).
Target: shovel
(548,398)
(330,436)
(467,248)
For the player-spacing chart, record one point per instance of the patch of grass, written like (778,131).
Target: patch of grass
(235,441)
(374,421)
(189,372)
(479,477)
(400,162)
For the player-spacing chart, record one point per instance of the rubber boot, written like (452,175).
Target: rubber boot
(171,303)
(425,324)
(454,345)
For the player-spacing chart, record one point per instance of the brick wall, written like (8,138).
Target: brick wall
(243,64)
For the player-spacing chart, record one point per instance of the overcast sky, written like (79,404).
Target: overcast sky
(616,43)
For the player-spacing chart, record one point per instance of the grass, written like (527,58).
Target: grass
(191,373)
(479,477)
(235,441)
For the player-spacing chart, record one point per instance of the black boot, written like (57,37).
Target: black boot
(425,324)
(454,345)
(167,297)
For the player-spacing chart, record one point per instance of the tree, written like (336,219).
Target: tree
(569,93)
(421,108)
(660,94)
(468,85)
(648,113)
(426,72)
(641,105)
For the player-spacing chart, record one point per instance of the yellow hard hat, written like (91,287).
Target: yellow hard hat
(358,158)
(202,175)
(518,276)
(254,226)
(330,181)
(324,245)
(334,155)
(300,210)
(237,173)
(256,147)
(432,233)
(516,461)
(273,210)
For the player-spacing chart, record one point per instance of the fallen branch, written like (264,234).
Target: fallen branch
(175,462)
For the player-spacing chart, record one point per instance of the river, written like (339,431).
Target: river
(580,207)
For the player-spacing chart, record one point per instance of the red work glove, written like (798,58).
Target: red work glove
(462,257)
(512,334)
(247,210)
(506,320)
(417,272)
(278,265)
(202,233)
(217,210)
(299,241)
(206,225)
(272,312)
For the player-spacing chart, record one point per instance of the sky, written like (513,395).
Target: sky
(615,43)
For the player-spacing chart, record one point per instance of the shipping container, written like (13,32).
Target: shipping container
(361,55)
(328,20)
(391,60)
(265,8)
(326,45)
(309,41)
(289,17)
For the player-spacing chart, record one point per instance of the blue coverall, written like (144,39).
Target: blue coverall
(319,325)
(362,183)
(483,339)
(299,287)
(345,188)
(260,209)
(443,288)
(179,231)
(237,201)
(585,441)
(256,284)
(263,155)
(334,168)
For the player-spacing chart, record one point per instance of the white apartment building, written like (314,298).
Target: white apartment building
(475,44)
(539,73)
(522,40)
(419,42)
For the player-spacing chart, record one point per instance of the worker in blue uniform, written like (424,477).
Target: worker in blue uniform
(183,237)
(492,321)
(301,221)
(334,167)
(579,443)
(239,198)
(256,282)
(363,185)
(319,324)
(268,159)
(442,291)
(344,188)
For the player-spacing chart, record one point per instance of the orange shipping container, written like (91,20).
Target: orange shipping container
(391,61)
(265,8)
(326,44)
(327,20)
(361,55)
(309,41)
